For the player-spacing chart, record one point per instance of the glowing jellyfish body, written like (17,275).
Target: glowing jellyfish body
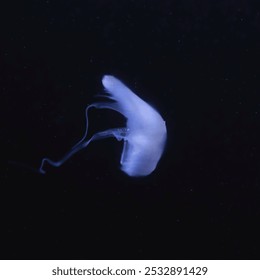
(144,135)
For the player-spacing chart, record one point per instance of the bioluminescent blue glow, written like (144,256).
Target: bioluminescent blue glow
(144,134)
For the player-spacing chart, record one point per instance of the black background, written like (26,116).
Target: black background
(197,62)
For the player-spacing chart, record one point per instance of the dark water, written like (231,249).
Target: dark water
(197,62)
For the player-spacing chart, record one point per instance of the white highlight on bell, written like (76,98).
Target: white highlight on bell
(144,135)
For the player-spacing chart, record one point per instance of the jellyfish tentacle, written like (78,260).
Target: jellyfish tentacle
(118,133)
(98,105)
(86,125)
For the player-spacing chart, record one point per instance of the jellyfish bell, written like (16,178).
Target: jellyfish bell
(144,135)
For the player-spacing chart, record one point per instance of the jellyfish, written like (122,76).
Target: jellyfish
(144,135)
